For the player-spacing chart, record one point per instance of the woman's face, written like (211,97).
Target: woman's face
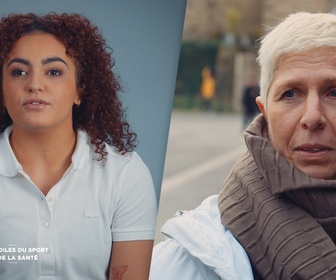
(301,111)
(39,83)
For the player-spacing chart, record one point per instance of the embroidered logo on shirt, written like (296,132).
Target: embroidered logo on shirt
(91,214)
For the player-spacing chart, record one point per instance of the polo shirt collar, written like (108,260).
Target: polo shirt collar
(83,153)
(9,166)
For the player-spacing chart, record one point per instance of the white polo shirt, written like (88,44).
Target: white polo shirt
(68,234)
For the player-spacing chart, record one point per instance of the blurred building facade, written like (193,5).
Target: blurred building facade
(237,24)
(211,18)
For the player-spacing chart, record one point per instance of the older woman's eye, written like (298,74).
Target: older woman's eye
(289,94)
(333,93)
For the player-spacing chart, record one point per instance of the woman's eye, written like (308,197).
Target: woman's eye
(289,94)
(54,72)
(333,93)
(18,72)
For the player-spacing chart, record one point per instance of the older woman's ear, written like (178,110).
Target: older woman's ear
(261,105)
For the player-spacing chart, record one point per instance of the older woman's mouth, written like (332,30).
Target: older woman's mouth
(313,147)
(313,151)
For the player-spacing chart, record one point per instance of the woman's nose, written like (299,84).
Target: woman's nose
(35,83)
(313,116)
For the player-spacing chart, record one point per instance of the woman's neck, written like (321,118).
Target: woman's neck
(44,156)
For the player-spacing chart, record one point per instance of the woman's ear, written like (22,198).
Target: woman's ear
(77,102)
(79,98)
(261,105)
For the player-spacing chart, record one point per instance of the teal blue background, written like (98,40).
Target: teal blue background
(145,36)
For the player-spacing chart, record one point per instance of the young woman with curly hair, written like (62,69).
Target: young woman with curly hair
(76,201)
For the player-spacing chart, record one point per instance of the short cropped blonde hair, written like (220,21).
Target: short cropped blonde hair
(298,32)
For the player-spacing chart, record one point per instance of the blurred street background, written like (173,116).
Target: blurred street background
(201,151)
(217,79)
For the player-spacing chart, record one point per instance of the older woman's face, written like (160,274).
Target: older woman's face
(301,111)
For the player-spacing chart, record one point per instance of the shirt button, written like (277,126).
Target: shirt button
(45,224)
(50,199)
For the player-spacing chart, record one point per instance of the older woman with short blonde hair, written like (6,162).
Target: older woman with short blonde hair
(275,217)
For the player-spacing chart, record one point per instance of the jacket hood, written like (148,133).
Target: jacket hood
(201,233)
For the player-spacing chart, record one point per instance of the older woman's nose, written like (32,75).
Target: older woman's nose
(313,116)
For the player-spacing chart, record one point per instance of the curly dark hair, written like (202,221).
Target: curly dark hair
(100,113)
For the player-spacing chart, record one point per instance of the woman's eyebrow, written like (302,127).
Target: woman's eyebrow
(53,59)
(18,60)
(44,61)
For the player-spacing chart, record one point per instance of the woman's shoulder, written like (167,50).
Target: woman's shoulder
(113,155)
(129,159)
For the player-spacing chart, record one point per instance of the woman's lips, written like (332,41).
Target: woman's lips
(313,151)
(35,104)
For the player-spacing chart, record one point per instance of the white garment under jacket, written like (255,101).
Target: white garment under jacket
(198,247)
